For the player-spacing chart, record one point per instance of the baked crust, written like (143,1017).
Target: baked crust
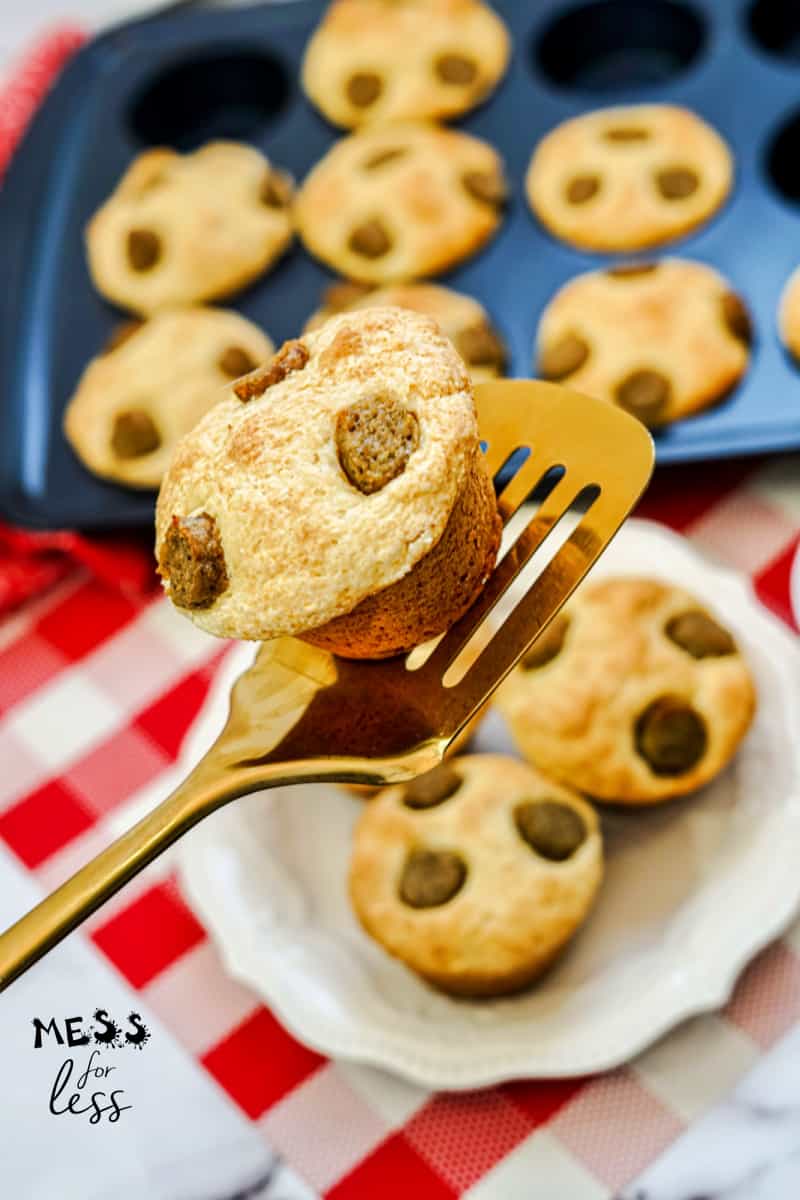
(171,369)
(678,321)
(516,909)
(626,209)
(302,544)
(221,216)
(432,59)
(575,715)
(412,214)
(461,318)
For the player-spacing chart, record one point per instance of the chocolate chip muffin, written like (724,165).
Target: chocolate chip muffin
(626,178)
(339,494)
(179,228)
(460,317)
(401,202)
(151,384)
(477,874)
(663,340)
(636,693)
(422,59)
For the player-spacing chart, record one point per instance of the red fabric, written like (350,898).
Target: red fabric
(259,1062)
(28,84)
(31,562)
(152,932)
(43,822)
(393,1172)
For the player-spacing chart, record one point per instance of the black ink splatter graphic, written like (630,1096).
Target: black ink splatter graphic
(111,1034)
(140,1035)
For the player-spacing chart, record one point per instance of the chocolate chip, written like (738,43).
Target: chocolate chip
(456,68)
(193,561)
(340,296)
(627,133)
(553,830)
(121,335)
(699,635)
(480,346)
(235,361)
(144,249)
(564,357)
(676,183)
(582,188)
(431,878)
(548,646)
(134,434)
(292,356)
(382,157)
(736,318)
(432,788)
(276,190)
(487,187)
(370,240)
(364,88)
(645,394)
(375,437)
(631,270)
(670,736)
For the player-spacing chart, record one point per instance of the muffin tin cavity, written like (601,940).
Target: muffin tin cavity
(782,160)
(611,45)
(228,95)
(774,25)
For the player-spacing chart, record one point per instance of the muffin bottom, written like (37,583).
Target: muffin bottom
(435,593)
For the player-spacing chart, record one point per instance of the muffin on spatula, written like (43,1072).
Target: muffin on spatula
(337,494)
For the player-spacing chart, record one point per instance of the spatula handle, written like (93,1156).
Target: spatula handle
(51,920)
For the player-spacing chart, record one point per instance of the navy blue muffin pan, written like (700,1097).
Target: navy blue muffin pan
(181,78)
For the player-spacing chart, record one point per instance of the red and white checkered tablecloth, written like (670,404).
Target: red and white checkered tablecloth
(97,689)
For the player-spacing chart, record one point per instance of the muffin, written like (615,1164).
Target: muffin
(181,228)
(400,202)
(422,59)
(337,494)
(626,178)
(151,384)
(634,694)
(662,340)
(462,318)
(477,874)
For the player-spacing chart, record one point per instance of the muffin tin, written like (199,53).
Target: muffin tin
(182,78)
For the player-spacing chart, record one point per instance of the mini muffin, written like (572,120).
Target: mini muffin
(477,874)
(422,59)
(397,203)
(622,179)
(179,228)
(460,317)
(789,315)
(635,694)
(338,494)
(662,340)
(151,384)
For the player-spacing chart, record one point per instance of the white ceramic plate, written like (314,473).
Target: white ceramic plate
(692,891)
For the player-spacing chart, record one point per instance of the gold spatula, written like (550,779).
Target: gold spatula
(299,714)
